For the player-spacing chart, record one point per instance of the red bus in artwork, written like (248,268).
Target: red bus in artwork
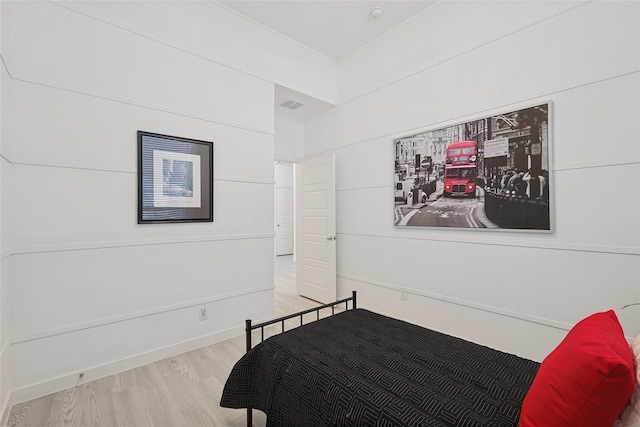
(461,169)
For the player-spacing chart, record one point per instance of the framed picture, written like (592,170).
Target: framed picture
(489,173)
(175,179)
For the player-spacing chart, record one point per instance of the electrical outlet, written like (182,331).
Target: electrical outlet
(403,294)
(203,312)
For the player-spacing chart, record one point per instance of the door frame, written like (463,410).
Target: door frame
(283,180)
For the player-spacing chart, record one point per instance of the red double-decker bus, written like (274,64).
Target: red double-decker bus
(461,169)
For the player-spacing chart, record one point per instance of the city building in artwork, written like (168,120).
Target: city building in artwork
(515,141)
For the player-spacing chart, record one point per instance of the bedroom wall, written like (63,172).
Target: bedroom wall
(289,139)
(216,33)
(90,290)
(518,292)
(4,245)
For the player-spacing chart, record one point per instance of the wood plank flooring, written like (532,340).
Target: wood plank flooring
(183,390)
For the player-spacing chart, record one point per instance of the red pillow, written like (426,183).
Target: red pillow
(585,381)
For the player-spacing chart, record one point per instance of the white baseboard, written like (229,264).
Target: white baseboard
(90,374)
(4,403)
(4,406)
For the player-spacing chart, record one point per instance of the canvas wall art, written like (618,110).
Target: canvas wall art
(490,173)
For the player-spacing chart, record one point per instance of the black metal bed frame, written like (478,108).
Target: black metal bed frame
(250,328)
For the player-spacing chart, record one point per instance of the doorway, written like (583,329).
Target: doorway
(305,224)
(284,209)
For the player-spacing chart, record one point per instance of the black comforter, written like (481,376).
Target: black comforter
(359,368)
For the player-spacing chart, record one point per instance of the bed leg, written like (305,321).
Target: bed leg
(248,334)
(248,341)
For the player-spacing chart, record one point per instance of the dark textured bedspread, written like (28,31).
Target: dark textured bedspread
(359,368)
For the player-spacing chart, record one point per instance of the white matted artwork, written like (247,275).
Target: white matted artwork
(173,180)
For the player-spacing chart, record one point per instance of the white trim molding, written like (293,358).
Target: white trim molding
(520,243)
(133,243)
(73,378)
(43,388)
(137,315)
(461,302)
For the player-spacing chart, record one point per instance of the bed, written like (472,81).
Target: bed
(359,368)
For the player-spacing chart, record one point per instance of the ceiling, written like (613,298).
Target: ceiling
(334,28)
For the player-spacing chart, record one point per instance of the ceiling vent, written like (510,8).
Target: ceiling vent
(291,104)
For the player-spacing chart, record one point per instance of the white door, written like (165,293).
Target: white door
(284,221)
(316,229)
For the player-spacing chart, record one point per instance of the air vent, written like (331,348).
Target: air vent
(291,104)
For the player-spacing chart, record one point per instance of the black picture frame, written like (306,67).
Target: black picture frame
(175,179)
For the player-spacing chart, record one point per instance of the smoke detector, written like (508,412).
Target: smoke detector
(376,12)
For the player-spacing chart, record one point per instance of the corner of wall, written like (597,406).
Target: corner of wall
(4,318)
(5,395)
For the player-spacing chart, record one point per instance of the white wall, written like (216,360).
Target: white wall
(4,246)
(90,290)
(216,33)
(289,140)
(437,35)
(518,292)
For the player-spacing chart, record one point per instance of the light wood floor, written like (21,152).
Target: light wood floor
(183,390)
